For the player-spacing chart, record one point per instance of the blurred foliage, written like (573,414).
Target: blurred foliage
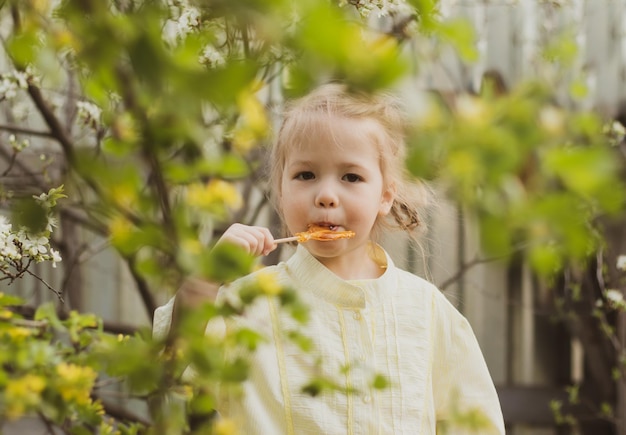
(519,161)
(155,116)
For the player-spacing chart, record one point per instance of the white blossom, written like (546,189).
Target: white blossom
(180,26)
(8,247)
(55,257)
(621,262)
(8,89)
(552,119)
(52,224)
(41,198)
(614,295)
(381,7)
(18,145)
(211,57)
(18,246)
(89,113)
(20,110)
(34,247)
(12,82)
(189,19)
(615,132)
(615,299)
(5,225)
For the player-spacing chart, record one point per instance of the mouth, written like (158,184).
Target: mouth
(324,225)
(325,231)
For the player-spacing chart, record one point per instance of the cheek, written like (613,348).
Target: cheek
(291,206)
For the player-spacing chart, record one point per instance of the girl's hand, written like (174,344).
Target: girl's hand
(256,240)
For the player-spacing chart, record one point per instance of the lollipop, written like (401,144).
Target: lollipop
(315,232)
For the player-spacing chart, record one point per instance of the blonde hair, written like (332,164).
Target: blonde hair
(333,100)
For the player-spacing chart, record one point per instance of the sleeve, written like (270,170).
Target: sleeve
(465,397)
(163,321)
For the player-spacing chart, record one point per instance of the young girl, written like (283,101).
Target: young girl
(338,164)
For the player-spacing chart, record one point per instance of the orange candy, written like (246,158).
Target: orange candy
(323,234)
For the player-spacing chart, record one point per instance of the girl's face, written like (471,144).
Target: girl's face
(333,179)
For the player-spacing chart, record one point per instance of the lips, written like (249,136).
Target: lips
(328,225)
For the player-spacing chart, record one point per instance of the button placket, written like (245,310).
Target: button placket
(361,348)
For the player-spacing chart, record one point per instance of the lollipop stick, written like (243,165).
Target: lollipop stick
(287,239)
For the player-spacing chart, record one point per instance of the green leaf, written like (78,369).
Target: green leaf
(585,171)
(29,214)
(236,371)
(380,382)
(226,262)
(249,338)
(461,35)
(23,47)
(10,300)
(48,312)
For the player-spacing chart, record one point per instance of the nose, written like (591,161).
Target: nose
(326,197)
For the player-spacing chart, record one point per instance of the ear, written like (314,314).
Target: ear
(386,199)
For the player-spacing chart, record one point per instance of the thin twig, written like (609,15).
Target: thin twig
(11,164)
(464,268)
(34,324)
(59,295)
(26,131)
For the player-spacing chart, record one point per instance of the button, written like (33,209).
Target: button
(367,399)
(357,315)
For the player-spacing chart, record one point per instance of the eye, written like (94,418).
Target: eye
(352,178)
(304,175)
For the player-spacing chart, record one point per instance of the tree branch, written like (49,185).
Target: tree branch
(56,129)
(26,131)
(464,268)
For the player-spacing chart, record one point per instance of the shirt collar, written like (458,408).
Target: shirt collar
(308,273)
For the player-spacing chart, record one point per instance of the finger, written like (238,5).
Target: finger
(250,242)
(240,235)
(268,241)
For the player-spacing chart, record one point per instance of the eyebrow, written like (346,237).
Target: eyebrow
(311,162)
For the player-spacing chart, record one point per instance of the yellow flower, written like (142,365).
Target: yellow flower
(124,195)
(75,382)
(120,229)
(17,333)
(268,284)
(63,38)
(40,6)
(252,112)
(214,196)
(383,46)
(225,426)
(23,393)
(192,246)
(125,128)
(473,110)
(244,139)
(253,123)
